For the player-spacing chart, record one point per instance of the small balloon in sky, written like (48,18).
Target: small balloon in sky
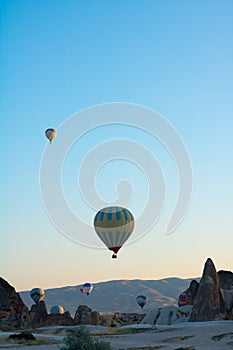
(182,300)
(114,225)
(141,300)
(50,134)
(37,294)
(87,288)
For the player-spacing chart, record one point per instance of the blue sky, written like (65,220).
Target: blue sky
(59,57)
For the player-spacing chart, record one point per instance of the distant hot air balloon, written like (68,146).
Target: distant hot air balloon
(50,134)
(37,294)
(87,288)
(141,300)
(182,300)
(114,226)
(57,309)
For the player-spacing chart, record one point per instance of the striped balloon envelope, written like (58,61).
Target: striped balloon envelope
(114,225)
(37,294)
(182,299)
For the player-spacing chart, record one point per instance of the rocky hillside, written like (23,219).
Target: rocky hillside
(209,299)
(13,311)
(113,296)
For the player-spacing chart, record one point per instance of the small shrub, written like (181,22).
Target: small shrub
(145,348)
(186,348)
(80,339)
(22,336)
(102,345)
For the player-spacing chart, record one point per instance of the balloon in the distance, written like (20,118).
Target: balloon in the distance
(114,225)
(87,288)
(141,300)
(182,300)
(50,134)
(37,294)
(57,309)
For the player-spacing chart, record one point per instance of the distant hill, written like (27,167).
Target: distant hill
(118,295)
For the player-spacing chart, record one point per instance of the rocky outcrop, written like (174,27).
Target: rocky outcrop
(83,315)
(183,314)
(13,313)
(225,279)
(151,317)
(211,299)
(192,292)
(64,319)
(106,320)
(123,319)
(38,314)
(208,304)
(226,288)
(167,315)
(41,318)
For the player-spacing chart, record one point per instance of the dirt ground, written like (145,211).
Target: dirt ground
(188,336)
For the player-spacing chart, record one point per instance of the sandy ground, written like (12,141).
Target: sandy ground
(196,336)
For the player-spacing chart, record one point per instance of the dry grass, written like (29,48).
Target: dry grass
(119,331)
(7,341)
(166,330)
(221,336)
(146,348)
(177,339)
(185,348)
(24,338)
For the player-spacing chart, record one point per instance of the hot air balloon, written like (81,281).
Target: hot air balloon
(50,134)
(37,294)
(182,300)
(114,226)
(57,309)
(141,300)
(87,288)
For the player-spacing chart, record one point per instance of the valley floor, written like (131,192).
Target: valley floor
(188,336)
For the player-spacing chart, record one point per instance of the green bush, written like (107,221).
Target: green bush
(185,348)
(22,336)
(102,345)
(80,339)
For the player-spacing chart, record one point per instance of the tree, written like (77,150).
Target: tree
(80,339)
